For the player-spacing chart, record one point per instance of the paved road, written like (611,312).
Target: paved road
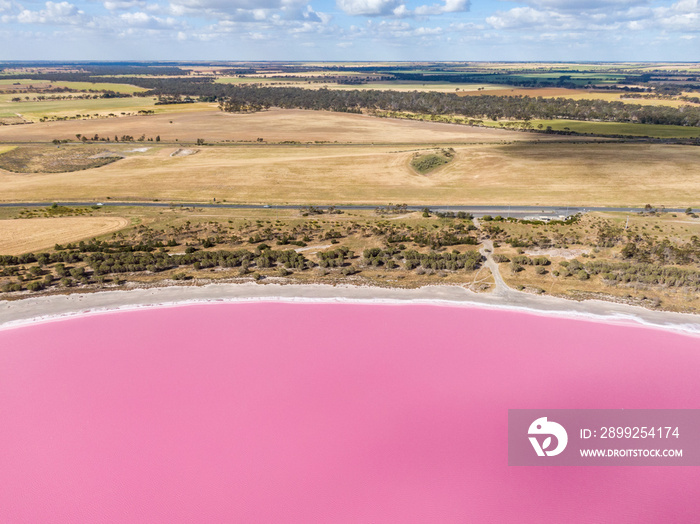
(506,211)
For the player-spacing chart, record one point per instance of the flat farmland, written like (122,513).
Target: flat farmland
(389,85)
(28,84)
(25,235)
(584,174)
(272,126)
(100,86)
(35,110)
(576,94)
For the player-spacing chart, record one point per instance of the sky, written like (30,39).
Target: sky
(503,30)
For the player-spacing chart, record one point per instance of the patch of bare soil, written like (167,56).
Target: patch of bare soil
(568,254)
(56,159)
(184,152)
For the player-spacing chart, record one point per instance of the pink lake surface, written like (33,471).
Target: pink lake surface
(268,412)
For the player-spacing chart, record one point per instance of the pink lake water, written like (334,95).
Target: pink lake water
(268,412)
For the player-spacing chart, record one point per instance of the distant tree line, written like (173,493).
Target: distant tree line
(234,97)
(485,106)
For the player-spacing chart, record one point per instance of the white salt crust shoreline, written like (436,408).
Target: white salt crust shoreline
(30,311)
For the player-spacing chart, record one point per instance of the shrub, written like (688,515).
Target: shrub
(35,286)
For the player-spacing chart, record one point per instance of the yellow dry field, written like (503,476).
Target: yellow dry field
(26,235)
(577,94)
(272,126)
(582,174)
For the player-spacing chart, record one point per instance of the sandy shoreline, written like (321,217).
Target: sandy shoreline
(39,309)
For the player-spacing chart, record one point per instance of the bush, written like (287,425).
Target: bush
(349,270)
(35,286)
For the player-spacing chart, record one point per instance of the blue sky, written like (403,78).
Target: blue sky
(614,30)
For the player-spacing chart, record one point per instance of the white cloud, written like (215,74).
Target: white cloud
(56,13)
(397,9)
(117,5)
(370,7)
(523,17)
(583,5)
(619,18)
(225,6)
(450,6)
(681,16)
(146,21)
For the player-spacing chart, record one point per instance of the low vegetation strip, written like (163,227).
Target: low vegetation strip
(24,235)
(55,159)
(232,249)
